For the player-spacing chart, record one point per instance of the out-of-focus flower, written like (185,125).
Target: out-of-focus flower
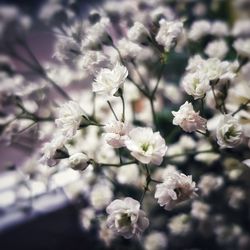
(128,49)
(235,197)
(217,48)
(108,81)
(209,183)
(54,149)
(199,29)
(126,218)
(128,174)
(146,146)
(155,241)
(101,195)
(180,224)
(242,47)
(219,29)
(138,33)
(105,234)
(241,28)
(175,189)
(87,216)
(169,33)
(200,210)
(116,133)
(188,119)
(90,60)
(229,132)
(67,50)
(70,115)
(97,34)
(196,84)
(79,161)
(209,157)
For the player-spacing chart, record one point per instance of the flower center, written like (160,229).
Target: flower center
(124,220)
(145,146)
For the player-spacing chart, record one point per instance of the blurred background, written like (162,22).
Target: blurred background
(44,214)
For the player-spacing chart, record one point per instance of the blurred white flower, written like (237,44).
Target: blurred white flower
(169,33)
(209,183)
(242,47)
(128,174)
(241,28)
(116,133)
(146,146)
(209,157)
(200,210)
(50,150)
(219,29)
(70,115)
(128,49)
(101,195)
(126,218)
(199,29)
(108,81)
(180,224)
(217,48)
(79,161)
(188,119)
(138,33)
(229,132)
(97,34)
(155,241)
(175,189)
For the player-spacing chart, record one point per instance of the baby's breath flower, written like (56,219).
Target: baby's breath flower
(188,119)
(146,146)
(177,187)
(126,218)
(69,118)
(229,132)
(108,81)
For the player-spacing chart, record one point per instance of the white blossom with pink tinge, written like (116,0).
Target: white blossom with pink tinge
(126,218)
(177,187)
(188,119)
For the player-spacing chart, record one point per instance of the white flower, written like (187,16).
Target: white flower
(217,48)
(79,161)
(180,224)
(50,150)
(200,210)
(196,84)
(138,33)
(188,119)
(101,195)
(177,187)
(146,146)
(155,241)
(199,29)
(242,47)
(219,29)
(108,81)
(128,174)
(90,60)
(129,50)
(116,133)
(69,118)
(241,28)
(97,34)
(209,183)
(169,33)
(126,218)
(229,132)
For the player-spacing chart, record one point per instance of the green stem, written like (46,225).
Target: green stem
(111,108)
